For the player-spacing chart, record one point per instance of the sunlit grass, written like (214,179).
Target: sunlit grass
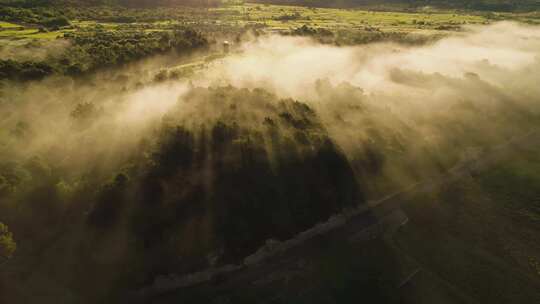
(29,34)
(7,25)
(273,15)
(92,23)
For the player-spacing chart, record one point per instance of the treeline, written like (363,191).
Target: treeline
(58,16)
(129,3)
(48,17)
(57,13)
(482,5)
(11,69)
(358,37)
(120,14)
(95,49)
(103,48)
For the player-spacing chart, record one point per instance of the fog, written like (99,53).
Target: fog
(287,64)
(33,50)
(491,67)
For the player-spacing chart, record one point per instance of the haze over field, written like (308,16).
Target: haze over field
(487,67)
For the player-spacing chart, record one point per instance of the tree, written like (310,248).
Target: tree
(56,22)
(7,244)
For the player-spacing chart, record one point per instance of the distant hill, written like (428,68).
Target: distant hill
(129,3)
(148,3)
(483,5)
(487,5)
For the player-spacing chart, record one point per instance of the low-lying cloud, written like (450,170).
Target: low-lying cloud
(490,67)
(289,64)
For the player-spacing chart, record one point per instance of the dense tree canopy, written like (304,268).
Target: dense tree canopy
(95,49)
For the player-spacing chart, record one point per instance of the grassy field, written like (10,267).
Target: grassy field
(7,25)
(484,226)
(29,33)
(284,18)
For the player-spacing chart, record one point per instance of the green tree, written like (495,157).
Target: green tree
(7,244)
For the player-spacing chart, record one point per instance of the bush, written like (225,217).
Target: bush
(29,70)
(56,22)
(7,244)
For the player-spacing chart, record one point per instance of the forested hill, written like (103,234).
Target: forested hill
(487,5)
(128,3)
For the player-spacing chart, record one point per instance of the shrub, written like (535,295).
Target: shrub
(7,244)
(56,22)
